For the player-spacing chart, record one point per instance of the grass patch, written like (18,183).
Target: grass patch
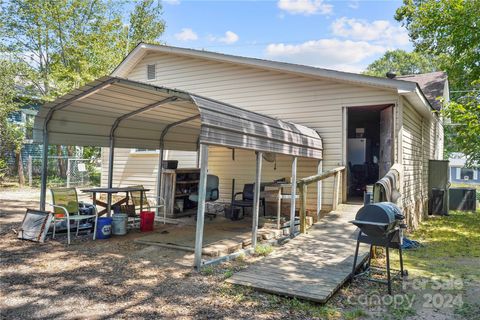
(403,310)
(354,314)
(263,250)
(228,273)
(451,246)
(312,309)
(468,310)
(241,258)
(208,270)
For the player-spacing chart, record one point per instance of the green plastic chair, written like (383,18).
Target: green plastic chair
(66,206)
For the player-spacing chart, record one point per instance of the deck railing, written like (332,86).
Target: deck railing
(336,173)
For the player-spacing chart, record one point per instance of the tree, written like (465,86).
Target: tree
(402,63)
(67,43)
(464,129)
(449,29)
(12,134)
(146,23)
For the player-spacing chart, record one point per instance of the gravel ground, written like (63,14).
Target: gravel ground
(118,279)
(107,279)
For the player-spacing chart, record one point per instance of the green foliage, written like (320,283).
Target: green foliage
(69,43)
(3,169)
(146,23)
(54,47)
(464,129)
(402,63)
(263,250)
(449,30)
(446,29)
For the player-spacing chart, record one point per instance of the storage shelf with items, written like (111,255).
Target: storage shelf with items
(177,186)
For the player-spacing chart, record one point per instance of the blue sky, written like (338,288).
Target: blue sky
(343,35)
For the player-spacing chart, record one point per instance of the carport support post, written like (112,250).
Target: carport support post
(43,185)
(256,198)
(293,197)
(202,186)
(159,182)
(319,188)
(111,156)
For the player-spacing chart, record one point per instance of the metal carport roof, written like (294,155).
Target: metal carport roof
(138,115)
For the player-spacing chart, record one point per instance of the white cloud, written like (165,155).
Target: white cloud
(186,34)
(346,55)
(305,7)
(354,4)
(172,2)
(229,37)
(381,31)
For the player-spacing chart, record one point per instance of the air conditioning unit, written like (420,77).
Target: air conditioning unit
(466,178)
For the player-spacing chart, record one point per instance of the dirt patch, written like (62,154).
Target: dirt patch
(120,279)
(113,278)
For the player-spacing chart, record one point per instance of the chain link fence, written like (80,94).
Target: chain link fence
(64,172)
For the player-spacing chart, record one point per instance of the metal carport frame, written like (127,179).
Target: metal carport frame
(116,112)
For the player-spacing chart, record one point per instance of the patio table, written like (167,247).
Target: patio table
(109,191)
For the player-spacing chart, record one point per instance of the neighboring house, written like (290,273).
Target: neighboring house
(396,116)
(461,174)
(24,118)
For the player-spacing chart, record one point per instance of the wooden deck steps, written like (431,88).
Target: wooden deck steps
(312,266)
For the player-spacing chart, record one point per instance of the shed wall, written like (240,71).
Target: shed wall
(308,101)
(422,141)
(141,168)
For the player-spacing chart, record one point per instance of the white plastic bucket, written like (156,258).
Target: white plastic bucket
(119,224)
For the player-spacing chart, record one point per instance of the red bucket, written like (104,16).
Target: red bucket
(147,219)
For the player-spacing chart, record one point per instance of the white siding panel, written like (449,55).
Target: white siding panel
(308,101)
(422,141)
(141,168)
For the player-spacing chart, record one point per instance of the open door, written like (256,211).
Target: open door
(386,141)
(369,147)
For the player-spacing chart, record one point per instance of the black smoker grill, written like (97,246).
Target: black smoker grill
(381,224)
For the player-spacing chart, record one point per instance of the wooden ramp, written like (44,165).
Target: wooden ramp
(312,266)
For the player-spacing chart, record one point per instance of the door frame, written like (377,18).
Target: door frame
(345,109)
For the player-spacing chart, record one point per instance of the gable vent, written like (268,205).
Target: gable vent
(151,74)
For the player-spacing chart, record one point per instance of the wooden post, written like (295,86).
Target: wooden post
(202,186)
(303,208)
(256,198)
(336,186)
(30,168)
(293,196)
(319,188)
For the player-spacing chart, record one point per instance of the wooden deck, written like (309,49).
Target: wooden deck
(312,266)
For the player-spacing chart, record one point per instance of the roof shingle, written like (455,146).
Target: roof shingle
(432,85)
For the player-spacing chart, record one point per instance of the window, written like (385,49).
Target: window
(466,174)
(151,72)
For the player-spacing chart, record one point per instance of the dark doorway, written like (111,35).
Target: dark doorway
(369,146)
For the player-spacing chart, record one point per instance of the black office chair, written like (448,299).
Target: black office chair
(246,201)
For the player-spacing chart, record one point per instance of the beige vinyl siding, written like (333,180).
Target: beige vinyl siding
(312,102)
(132,168)
(220,163)
(422,141)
